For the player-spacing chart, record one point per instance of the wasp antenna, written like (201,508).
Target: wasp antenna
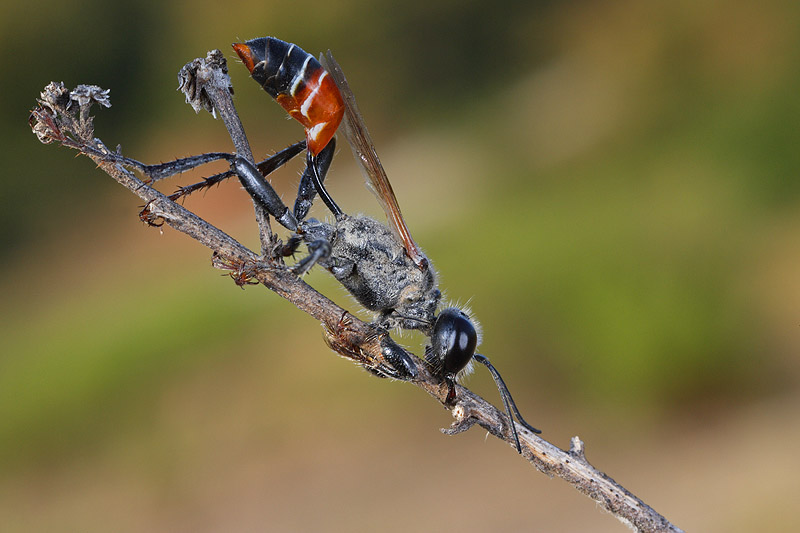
(508,401)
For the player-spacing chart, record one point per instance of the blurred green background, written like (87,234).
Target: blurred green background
(613,186)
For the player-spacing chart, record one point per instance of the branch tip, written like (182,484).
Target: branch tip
(57,119)
(200,77)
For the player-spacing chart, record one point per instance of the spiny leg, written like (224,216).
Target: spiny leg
(265,167)
(277,160)
(252,177)
(170,168)
(161,171)
(310,182)
(508,401)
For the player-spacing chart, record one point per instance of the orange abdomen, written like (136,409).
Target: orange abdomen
(297,81)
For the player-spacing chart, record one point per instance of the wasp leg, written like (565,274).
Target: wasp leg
(508,401)
(262,192)
(290,246)
(318,250)
(277,160)
(266,167)
(400,367)
(310,183)
(315,164)
(165,170)
(451,389)
(342,268)
(307,189)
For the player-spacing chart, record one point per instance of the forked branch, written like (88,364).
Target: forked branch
(63,117)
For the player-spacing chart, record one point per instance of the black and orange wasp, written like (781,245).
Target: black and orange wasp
(380,265)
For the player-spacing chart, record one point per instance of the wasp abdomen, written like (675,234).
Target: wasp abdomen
(297,81)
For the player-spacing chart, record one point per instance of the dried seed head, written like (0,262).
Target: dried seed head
(55,96)
(91,94)
(54,99)
(196,75)
(42,124)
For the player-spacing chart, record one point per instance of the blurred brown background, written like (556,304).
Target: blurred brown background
(612,185)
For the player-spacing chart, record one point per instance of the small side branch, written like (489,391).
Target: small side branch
(62,116)
(206,84)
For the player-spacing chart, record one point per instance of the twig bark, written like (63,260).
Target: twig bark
(63,116)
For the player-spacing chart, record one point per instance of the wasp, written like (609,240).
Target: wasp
(381,265)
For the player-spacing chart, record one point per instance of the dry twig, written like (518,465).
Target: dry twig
(63,116)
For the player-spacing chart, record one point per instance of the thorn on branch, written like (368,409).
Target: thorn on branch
(207,183)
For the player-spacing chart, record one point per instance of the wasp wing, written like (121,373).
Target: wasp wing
(364,151)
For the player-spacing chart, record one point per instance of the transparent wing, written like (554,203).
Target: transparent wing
(364,151)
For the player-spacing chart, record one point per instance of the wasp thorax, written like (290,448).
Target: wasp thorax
(372,264)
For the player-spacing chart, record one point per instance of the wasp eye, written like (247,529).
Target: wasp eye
(453,340)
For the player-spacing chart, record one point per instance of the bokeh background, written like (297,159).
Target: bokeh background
(612,185)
